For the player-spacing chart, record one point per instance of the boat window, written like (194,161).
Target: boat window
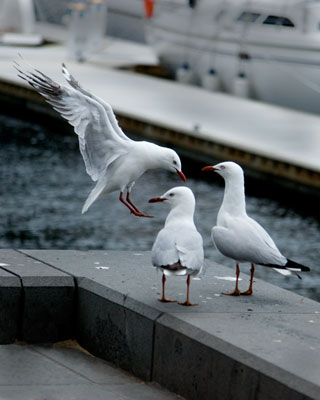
(246,16)
(276,20)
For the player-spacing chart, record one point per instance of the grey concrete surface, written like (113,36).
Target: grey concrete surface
(129,276)
(112,322)
(10,306)
(48,300)
(252,365)
(114,332)
(266,346)
(64,371)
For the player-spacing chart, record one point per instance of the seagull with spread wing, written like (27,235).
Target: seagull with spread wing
(112,159)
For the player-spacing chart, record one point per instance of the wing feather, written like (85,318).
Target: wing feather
(164,251)
(178,244)
(108,109)
(245,240)
(99,141)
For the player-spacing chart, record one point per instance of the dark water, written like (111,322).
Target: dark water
(44,185)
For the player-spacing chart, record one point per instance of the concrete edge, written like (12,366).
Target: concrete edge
(180,346)
(155,345)
(44,303)
(11,299)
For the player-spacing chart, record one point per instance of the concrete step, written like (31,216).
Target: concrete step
(66,371)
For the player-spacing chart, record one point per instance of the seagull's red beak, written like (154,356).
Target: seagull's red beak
(209,168)
(181,174)
(156,199)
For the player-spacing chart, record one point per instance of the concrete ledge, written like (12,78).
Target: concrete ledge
(115,320)
(266,346)
(10,302)
(198,365)
(115,331)
(47,299)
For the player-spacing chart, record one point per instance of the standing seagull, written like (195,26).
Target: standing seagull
(178,248)
(110,157)
(240,237)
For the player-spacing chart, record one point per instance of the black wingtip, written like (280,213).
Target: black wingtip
(293,264)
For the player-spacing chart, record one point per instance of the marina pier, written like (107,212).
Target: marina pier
(265,138)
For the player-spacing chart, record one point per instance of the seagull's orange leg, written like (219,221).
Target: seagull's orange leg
(236,291)
(187,302)
(135,208)
(134,211)
(163,298)
(130,202)
(249,291)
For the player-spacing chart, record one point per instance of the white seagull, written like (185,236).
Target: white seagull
(113,160)
(241,238)
(178,248)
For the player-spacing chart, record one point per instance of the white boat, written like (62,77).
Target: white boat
(265,49)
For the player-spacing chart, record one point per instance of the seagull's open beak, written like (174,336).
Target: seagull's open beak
(209,168)
(157,199)
(181,174)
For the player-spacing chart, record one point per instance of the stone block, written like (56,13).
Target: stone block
(198,365)
(115,331)
(10,306)
(48,299)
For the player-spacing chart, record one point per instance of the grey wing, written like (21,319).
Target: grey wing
(246,241)
(108,109)
(190,249)
(164,251)
(171,246)
(99,142)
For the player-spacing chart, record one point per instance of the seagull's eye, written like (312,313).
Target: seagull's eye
(222,167)
(174,162)
(171,194)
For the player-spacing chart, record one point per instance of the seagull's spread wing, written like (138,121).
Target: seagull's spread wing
(112,118)
(100,138)
(243,239)
(173,245)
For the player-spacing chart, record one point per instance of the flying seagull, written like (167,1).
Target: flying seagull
(240,237)
(178,248)
(112,159)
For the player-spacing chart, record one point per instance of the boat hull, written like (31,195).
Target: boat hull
(284,72)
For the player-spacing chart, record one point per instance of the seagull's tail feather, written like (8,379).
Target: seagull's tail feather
(291,268)
(96,192)
(283,271)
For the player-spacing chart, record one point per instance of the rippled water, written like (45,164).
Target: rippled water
(44,185)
